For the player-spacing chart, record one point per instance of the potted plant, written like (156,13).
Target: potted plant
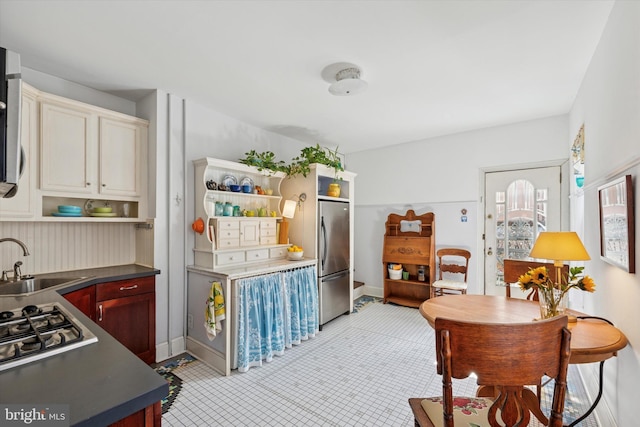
(265,160)
(316,154)
(300,165)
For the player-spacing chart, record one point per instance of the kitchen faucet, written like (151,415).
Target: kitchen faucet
(16,266)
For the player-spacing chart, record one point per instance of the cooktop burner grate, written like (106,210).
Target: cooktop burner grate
(35,332)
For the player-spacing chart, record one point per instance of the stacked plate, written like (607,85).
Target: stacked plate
(66,210)
(106,211)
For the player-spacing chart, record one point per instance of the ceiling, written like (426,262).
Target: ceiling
(433,67)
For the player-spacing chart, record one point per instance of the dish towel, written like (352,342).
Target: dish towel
(214,313)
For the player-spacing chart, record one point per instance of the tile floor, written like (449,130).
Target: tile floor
(359,371)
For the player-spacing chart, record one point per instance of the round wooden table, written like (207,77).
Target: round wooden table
(592,339)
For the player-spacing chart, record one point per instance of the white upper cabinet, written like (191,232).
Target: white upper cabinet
(85,150)
(121,163)
(67,148)
(86,156)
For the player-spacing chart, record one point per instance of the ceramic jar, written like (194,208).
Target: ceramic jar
(333,190)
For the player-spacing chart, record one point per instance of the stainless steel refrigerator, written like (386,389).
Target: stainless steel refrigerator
(333,259)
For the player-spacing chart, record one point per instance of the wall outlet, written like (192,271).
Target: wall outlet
(190,321)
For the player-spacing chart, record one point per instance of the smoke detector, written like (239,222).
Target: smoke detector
(345,79)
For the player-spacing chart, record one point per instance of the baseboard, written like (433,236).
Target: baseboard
(358,292)
(371,291)
(178,346)
(162,352)
(589,375)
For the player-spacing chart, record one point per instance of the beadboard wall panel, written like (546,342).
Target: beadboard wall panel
(57,246)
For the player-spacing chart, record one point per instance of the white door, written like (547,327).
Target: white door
(519,205)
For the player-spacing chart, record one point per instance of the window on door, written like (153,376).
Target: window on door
(519,205)
(521,214)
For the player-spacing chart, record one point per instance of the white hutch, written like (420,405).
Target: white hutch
(232,246)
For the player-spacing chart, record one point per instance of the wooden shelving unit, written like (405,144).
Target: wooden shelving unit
(409,240)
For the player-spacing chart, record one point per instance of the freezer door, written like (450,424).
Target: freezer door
(333,294)
(333,237)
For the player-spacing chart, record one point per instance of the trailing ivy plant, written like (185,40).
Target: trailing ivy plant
(299,165)
(315,154)
(264,160)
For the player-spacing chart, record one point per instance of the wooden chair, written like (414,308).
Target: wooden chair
(514,268)
(488,350)
(453,262)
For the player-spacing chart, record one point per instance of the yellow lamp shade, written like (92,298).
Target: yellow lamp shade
(559,246)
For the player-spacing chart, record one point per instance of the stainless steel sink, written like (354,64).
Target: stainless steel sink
(27,286)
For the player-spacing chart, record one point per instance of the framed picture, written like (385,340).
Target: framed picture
(617,239)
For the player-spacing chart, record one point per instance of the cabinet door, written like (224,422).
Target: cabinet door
(84,300)
(67,160)
(120,157)
(249,233)
(131,320)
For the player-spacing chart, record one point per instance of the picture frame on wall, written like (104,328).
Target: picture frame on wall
(617,234)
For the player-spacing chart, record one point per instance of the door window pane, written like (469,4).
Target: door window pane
(521,214)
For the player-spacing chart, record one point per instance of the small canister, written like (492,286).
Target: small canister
(236,211)
(219,209)
(228,209)
(421,276)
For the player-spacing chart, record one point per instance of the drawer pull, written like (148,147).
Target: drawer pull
(100,315)
(128,288)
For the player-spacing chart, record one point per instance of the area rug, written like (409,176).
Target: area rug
(175,383)
(363,301)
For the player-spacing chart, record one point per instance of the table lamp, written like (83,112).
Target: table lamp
(559,246)
(288,211)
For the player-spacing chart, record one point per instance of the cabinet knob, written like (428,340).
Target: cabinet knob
(88,184)
(104,185)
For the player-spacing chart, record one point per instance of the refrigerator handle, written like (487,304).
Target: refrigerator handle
(323,231)
(335,277)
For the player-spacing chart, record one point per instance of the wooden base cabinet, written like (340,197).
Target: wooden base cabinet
(84,300)
(126,309)
(409,240)
(151,416)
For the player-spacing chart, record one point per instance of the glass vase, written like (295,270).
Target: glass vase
(552,302)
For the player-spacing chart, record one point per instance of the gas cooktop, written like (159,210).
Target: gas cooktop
(38,331)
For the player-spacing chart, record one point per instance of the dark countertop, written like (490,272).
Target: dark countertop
(102,382)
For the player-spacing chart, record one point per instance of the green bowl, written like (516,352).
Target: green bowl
(103,210)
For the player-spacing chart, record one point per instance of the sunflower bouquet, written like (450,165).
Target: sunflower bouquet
(551,294)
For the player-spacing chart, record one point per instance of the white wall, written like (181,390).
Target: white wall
(68,89)
(442,175)
(608,104)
